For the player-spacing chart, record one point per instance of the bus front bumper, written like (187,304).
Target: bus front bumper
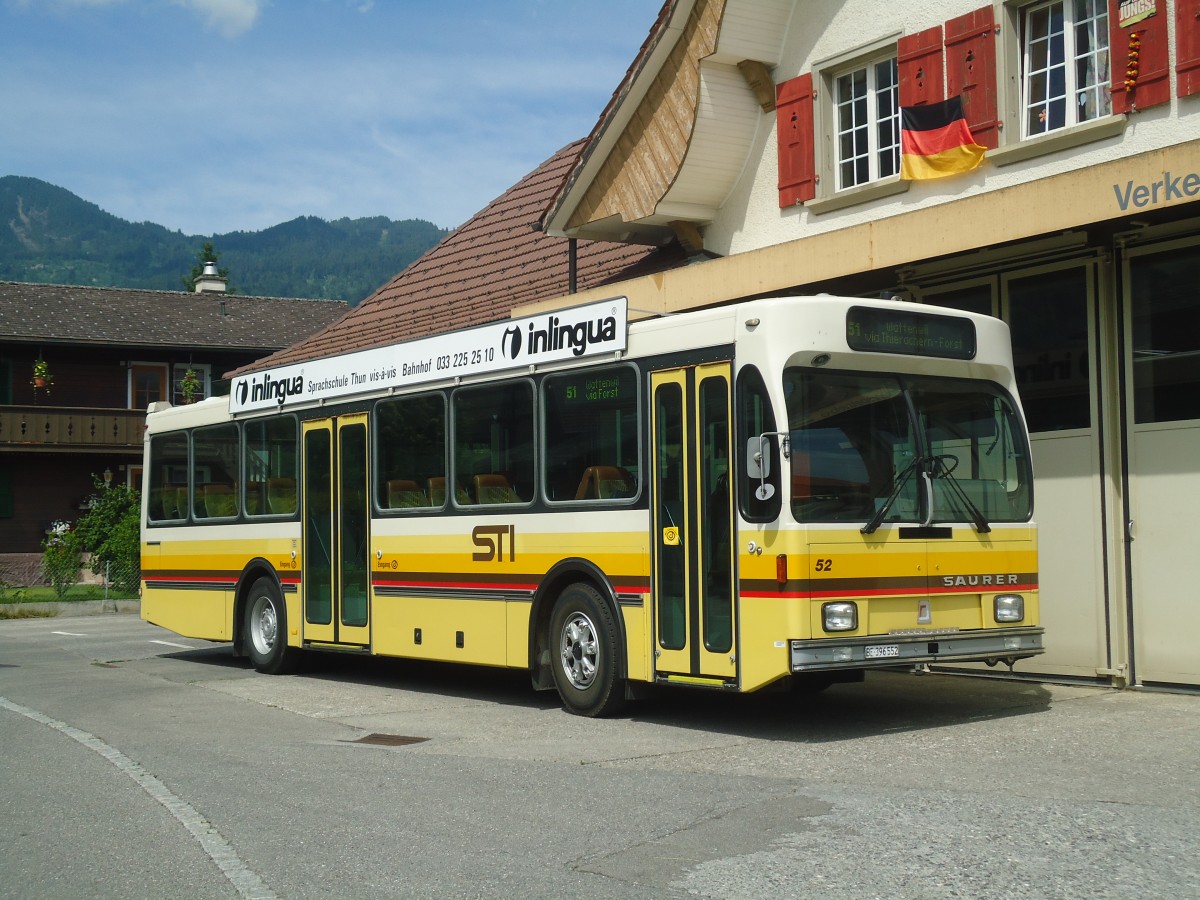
(993,645)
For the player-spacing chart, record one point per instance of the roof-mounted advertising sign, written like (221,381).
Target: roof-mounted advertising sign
(550,337)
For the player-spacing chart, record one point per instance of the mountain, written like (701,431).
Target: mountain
(50,236)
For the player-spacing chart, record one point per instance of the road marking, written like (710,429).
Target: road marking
(244,879)
(171,644)
(69,633)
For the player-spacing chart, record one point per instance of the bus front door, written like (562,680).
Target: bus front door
(336,532)
(694,577)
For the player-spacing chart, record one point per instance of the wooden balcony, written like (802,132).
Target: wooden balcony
(70,428)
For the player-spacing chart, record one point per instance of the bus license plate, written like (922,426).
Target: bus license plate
(882,651)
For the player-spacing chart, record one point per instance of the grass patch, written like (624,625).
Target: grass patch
(75,594)
(27,613)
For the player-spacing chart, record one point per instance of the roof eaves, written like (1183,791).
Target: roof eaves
(554,217)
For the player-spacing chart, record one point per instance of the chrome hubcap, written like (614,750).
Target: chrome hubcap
(264,625)
(578,650)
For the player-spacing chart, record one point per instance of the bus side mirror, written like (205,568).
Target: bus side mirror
(758,461)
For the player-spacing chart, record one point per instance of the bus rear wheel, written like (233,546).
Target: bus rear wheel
(265,632)
(584,643)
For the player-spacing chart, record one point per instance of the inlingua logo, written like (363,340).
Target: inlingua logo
(268,388)
(510,343)
(575,336)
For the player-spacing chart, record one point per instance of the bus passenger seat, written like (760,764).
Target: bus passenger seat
(167,498)
(494,488)
(219,501)
(281,495)
(403,493)
(605,483)
(437,490)
(253,497)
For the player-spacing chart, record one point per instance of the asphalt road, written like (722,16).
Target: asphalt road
(139,764)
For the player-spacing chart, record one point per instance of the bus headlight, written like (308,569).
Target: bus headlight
(841,616)
(1009,607)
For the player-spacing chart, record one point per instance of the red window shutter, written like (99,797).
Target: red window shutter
(971,72)
(1152,83)
(794,122)
(922,66)
(1187,46)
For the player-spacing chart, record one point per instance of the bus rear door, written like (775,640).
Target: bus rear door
(336,532)
(694,563)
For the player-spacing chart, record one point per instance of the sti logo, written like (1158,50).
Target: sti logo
(491,539)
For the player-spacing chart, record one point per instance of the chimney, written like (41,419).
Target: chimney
(209,281)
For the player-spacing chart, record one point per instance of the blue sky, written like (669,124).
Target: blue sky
(210,116)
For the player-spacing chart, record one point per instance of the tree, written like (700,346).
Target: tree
(110,531)
(206,255)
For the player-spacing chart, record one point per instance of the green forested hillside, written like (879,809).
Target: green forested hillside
(50,236)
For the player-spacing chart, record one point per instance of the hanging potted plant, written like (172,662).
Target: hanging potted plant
(42,379)
(189,386)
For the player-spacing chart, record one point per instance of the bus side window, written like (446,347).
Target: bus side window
(168,467)
(493,443)
(215,471)
(269,454)
(590,435)
(410,452)
(754,418)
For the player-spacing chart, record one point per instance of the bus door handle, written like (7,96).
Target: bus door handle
(1129,531)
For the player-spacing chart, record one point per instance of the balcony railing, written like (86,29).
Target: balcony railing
(71,426)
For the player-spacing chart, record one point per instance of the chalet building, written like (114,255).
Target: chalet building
(108,354)
(760,145)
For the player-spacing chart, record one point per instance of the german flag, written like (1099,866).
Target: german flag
(935,141)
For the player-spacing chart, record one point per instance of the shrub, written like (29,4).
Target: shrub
(110,531)
(60,557)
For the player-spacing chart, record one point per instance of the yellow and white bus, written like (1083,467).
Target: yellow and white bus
(780,492)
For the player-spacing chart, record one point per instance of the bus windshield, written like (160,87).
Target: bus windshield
(873,448)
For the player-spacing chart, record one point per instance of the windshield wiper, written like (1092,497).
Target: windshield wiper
(902,479)
(981,523)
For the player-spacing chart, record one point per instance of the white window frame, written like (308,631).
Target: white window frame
(879,157)
(203,372)
(1051,82)
(825,71)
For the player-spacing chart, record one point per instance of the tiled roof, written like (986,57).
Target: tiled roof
(64,314)
(495,261)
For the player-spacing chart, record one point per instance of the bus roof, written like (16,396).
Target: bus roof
(777,331)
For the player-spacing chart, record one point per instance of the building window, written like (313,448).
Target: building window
(6,490)
(1065,65)
(147,384)
(866,117)
(178,372)
(1165,329)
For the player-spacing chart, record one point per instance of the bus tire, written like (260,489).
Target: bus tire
(266,630)
(584,647)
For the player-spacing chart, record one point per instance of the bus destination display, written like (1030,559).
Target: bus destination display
(910,333)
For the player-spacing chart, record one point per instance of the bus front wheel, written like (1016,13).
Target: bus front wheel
(265,633)
(584,642)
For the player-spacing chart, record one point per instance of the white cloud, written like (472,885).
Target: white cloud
(229,17)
